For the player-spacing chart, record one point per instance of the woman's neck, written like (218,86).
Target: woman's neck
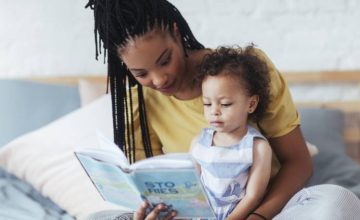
(193,87)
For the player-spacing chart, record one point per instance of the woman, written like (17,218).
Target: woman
(149,44)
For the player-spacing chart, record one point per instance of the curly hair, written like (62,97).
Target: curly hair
(243,64)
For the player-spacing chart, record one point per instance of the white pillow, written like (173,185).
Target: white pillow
(90,90)
(313,150)
(45,158)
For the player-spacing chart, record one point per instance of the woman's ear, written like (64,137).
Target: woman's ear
(253,102)
(176,32)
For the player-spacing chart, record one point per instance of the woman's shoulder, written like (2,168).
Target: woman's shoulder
(255,133)
(277,82)
(262,56)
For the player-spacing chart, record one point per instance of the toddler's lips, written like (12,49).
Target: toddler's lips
(216,123)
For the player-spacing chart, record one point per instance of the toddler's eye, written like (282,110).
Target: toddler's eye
(226,104)
(207,105)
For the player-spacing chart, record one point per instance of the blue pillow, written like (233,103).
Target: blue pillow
(27,105)
(324,128)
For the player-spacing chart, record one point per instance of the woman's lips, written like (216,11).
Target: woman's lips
(167,88)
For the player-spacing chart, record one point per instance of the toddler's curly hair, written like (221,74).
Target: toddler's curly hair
(242,63)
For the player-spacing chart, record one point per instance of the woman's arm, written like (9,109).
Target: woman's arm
(296,169)
(258,180)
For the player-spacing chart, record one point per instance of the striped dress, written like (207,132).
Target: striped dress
(224,170)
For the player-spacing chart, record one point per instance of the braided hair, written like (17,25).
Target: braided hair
(117,22)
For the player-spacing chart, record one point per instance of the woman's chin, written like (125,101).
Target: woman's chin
(167,93)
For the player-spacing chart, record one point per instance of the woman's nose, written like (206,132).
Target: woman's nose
(159,80)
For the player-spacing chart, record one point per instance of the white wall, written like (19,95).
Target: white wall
(296,34)
(48,37)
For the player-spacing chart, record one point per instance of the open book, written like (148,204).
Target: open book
(170,179)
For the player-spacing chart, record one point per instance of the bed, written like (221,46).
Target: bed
(42,121)
(18,198)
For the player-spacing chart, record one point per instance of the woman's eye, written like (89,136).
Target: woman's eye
(166,61)
(226,105)
(142,75)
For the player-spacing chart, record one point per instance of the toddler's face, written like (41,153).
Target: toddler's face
(226,103)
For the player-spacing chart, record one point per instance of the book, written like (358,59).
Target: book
(170,179)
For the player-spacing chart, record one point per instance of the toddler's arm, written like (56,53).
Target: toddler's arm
(258,180)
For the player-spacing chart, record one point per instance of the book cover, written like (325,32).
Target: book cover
(170,179)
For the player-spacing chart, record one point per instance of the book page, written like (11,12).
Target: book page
(113,185)
(105,156)
(171,161)
(106,144)
(109,146)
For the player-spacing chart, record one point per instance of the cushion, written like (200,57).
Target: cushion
(90,91)
(313,150)
(45,158)
(324,128)
(26,106)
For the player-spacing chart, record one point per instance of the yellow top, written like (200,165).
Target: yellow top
(173,123)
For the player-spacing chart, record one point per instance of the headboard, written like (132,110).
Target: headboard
(350,108)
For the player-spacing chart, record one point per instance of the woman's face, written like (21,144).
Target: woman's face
(157,61)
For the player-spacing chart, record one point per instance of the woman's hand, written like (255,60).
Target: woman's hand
(140,214)
(254,217)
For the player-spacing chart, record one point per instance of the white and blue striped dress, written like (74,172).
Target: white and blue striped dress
(224,170)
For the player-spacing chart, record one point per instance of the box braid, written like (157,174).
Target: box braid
(116,22)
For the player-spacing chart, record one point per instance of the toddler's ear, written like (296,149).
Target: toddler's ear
(253,102)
